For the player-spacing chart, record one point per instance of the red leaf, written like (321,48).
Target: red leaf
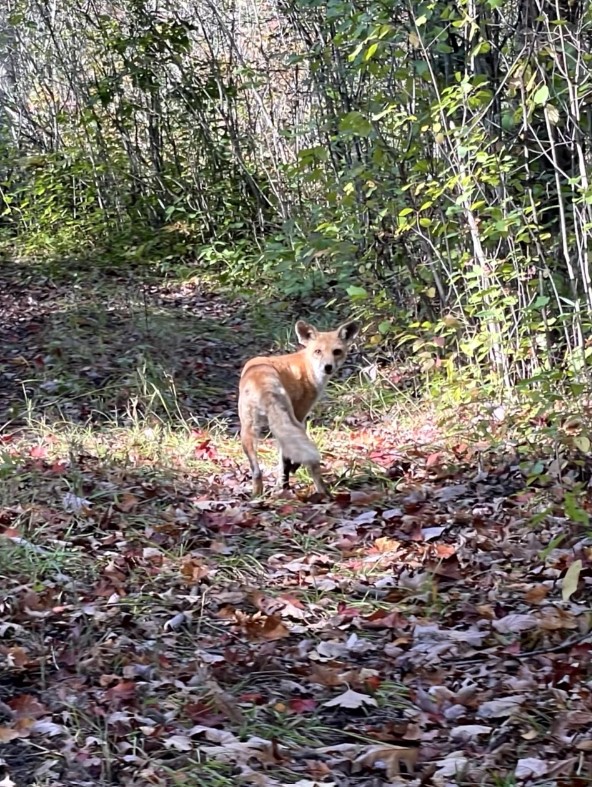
(434,459)
(122,692)
(27,706)
(252,697)
(205,450)
(301,705)
(347,612)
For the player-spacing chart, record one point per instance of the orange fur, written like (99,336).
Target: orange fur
(279,391)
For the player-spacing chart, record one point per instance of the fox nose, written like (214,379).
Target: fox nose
(328,368)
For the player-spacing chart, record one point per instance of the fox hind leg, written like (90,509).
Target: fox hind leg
(285,467)
(320,486)
(249,444)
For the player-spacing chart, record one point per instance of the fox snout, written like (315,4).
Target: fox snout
(328,368)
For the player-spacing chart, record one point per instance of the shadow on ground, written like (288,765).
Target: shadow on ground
(100,347)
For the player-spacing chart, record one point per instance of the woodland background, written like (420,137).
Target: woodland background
(427,161)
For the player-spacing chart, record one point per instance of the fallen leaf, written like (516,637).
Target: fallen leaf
(515,622)
(531,767)
(47,727)
(494,709)
(127,502)
(27,706)
(8,734)
(308,783)
(536,594)
(302,705)
(390,758)
(571,580)
(429,533)
(178,742)
(266,627)
(122,692)
(553,619)
(74,504)
(350,699)
(451,765)
(464,731)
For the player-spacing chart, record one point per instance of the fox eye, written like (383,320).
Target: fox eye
(318,352)
(337,353)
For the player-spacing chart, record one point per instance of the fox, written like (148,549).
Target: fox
(279,391)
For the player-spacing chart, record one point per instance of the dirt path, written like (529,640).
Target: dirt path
(84,348)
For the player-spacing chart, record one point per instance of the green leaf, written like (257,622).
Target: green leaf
(574,511)
(542,300)
(356,293)
(571,580)
(370,51)
(356,52)
(356,123)
(542,95)
(582,443)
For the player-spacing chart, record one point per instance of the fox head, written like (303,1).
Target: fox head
(326,350)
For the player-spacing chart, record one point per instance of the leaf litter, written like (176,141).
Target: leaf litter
(159,627)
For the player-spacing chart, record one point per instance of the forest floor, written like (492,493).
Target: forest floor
(430,624)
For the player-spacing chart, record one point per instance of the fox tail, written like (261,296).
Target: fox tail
(296,445)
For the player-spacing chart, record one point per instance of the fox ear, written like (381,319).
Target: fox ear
(305,332)
(348,331)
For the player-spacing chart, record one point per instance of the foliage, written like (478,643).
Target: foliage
(425,163)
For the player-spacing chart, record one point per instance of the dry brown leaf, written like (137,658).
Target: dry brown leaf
(553,619)
(17,657)
(127,502)
(391,757)
(384,544)
(27,706)
(536,594)
(326,676)
(8,734)
(264,627)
